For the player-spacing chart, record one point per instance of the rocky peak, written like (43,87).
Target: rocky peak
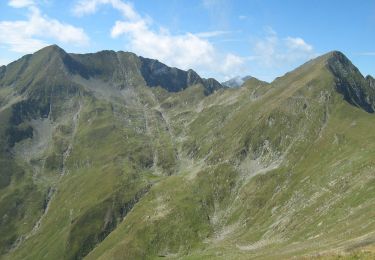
(240,81)
(50,54)
(119,67)
(371,81)
(350,82)
(235,82)
(54,48)
(193,78)
(156,74)
(211,85)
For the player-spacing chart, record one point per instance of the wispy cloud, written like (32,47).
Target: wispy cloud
(25,36)
(298,44)
(197,50)
(185,51)
(367,53)
(21,3)
(212,34)
(219,12)
(84,7)
(273,51)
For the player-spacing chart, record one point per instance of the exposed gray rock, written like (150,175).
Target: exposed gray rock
(156,74)
(350,82)
(371,81)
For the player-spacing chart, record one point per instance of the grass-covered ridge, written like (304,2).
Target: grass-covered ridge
(97,163)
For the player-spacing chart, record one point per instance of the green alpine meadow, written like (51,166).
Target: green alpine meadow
(110,155)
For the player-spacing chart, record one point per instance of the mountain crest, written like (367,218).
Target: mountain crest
(54,48)
(371,81)
(132,173)
(350,82)
(124,68)
(173,79)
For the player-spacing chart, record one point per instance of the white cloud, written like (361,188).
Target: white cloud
(242,17)
(298,44)
(180,50)
(184,51)
(211,34)
(25,36)
(273,51)
(90,6)
(21,3)
(233,64)
(196,51)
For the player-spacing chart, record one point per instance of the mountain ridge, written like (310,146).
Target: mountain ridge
(350,80)
(101,162)
(147,68)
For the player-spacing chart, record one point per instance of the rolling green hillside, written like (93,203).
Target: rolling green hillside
(114,156)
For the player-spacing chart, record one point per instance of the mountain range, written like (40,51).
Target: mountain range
(111,155)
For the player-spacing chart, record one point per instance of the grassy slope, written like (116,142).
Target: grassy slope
(261,171)
(22,201)
(319,198)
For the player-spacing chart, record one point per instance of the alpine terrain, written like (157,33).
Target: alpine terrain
(114,156)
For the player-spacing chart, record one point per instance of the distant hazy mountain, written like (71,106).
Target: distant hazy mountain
(114,156)
(236,81)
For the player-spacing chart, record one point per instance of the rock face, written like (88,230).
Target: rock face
(156,74)
(114,156)
(371,81)
(351,83)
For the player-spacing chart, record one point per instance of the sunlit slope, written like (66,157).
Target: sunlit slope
(287,173)
(103,161)
(82,142)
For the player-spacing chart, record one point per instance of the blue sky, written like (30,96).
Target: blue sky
(217,38)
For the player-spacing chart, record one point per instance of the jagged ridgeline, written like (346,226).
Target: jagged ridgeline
(114,156)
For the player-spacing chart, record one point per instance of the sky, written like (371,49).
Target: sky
(217,38)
